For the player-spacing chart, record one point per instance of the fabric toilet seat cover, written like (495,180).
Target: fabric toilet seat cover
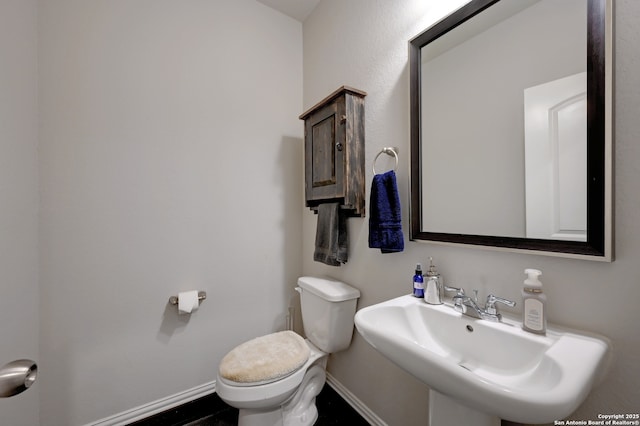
(265,359)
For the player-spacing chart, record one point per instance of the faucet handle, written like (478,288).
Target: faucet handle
(459,291)
(490,306)
(458,299)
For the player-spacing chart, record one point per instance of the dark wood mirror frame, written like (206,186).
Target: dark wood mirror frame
(599,142)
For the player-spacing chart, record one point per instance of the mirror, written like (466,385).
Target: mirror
(511,142)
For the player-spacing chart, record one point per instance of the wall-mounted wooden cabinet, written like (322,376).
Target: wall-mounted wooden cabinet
(334,151)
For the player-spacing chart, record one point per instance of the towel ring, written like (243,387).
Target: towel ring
(389,150)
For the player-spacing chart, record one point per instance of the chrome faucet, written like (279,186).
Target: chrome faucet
(469,306)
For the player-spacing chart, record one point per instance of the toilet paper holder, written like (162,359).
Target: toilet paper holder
(202,295)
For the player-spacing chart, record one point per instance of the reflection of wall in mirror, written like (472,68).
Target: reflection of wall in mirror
(473,119)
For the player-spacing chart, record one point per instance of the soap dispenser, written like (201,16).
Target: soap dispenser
(418,282)
(434,288)
(534,315)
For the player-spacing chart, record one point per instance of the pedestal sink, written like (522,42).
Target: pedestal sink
(491,369)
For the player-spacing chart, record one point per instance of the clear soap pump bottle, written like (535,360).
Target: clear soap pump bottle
(534,301)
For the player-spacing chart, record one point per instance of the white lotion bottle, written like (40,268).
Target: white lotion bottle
(534,302)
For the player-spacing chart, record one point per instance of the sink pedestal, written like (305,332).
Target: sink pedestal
(446,411)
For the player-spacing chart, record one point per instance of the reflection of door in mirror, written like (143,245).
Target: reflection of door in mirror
(556,158)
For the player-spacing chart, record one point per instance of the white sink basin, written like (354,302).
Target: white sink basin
(495,368)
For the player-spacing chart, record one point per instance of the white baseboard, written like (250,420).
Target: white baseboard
(167,403)
(352,400)
(156,407)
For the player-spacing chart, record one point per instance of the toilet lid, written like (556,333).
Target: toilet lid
(266,358)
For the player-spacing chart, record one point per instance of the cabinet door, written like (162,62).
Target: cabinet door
(324,153)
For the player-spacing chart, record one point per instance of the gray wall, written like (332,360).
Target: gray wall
(593,296)
(169,160)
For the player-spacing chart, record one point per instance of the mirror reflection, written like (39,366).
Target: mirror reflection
(479,176)
(508,126)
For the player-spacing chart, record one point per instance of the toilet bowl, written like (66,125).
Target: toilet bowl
(265,403)
(273,380)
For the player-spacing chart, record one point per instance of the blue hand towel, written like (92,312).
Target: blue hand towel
(385,221)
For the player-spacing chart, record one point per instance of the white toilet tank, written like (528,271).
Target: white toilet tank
(328,308)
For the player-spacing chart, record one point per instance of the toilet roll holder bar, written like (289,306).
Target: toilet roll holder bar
(202,295)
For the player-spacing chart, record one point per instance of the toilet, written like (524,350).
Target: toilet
(273,380)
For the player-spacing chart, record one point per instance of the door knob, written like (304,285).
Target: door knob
(17,376)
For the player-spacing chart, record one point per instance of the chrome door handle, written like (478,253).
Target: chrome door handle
(17,376)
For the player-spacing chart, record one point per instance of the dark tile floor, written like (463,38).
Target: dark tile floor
(212,411)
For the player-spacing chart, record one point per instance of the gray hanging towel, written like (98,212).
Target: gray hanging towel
(331,235)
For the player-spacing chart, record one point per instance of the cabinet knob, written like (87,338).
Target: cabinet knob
(343,118)
(339,146)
